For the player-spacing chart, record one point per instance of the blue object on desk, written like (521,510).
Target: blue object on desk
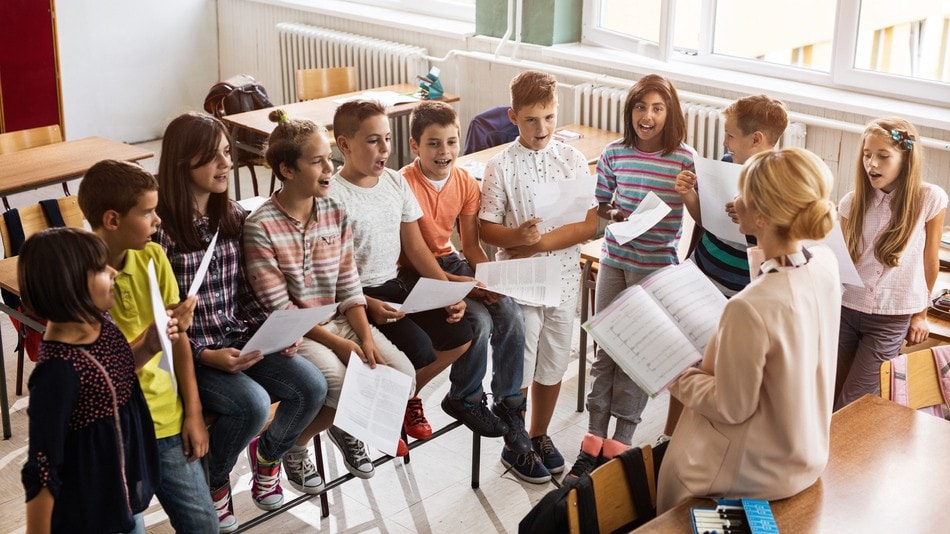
(430,85)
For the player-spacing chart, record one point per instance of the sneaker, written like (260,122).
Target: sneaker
(301,473)
(511,412)
(402,449)
(354,453)
(527,467)
(221,497)
(265,481)
(663,438)
(588,459)
(476,416)
(550,456)
(415,421)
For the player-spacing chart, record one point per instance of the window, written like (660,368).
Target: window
(882,46)
(450,9)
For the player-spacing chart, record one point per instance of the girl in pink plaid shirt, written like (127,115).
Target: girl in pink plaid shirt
(892,223)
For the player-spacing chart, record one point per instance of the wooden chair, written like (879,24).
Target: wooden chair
(319,83)
(34,220)
(923,383)
(33,137)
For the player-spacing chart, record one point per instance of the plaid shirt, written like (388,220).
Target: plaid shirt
(227,313)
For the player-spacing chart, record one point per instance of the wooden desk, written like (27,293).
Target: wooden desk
(590,256)
(886,473)
(50,164)
(320,111)
(591,144)
(940,328)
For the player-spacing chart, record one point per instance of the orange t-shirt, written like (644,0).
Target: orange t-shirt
(460,195)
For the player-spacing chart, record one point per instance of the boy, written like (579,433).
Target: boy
(385,217)
(508,222)
(449,196)
(753,124)
(298,247)
(119,199)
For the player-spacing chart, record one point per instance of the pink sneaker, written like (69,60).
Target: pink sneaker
(265,481)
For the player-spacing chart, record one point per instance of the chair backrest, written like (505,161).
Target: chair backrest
(489,128)
(23,139)
(318,83)
(34,220)
(923,383)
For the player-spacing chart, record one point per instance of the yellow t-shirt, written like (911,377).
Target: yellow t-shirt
(132,313)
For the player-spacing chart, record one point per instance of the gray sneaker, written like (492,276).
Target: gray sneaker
(354,453)
(301,473)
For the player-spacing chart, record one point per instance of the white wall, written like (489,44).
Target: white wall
(129,67)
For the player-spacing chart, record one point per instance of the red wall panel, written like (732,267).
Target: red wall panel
(27,65)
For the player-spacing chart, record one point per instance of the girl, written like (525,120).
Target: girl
(92,463)
(648,158)
(193,204)
(892,223)
(757,411)
(299,251)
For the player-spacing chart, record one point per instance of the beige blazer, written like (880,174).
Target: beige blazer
(758,410)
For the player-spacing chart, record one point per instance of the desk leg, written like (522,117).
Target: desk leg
(4,402)
(234,162)
(582,349)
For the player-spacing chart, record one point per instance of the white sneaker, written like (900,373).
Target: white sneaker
(301,473)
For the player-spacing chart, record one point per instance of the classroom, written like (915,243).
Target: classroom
(111,76)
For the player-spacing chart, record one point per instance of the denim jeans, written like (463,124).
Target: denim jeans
(242,403)
(183,490)
(139,527)
(500,325)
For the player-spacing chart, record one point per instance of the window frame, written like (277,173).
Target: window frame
(446,9)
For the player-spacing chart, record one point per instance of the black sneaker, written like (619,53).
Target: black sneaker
(511,411)
(550,456)
(527,467)
(476,416)
(585,463)
(355,457)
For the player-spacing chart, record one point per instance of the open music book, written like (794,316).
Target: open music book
(657,329)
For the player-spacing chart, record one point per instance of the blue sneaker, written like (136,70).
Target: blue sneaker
(527,467)
(550,456)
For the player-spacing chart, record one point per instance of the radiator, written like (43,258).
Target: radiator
(378,63)
(602,107)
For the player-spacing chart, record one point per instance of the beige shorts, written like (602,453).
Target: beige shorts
(547,339)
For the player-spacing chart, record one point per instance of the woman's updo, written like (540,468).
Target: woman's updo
(286,141)
(790,189)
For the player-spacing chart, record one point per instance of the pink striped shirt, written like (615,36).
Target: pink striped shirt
(897,290)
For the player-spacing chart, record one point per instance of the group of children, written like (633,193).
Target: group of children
(360,238)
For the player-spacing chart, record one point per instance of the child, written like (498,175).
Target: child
(92,463)
(508,222)
(753,124)
(892,223)
(448,196)
(385,217)
(237,387)
(298,247)
(648,158)
(119,199)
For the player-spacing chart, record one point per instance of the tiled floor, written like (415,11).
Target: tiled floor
(430,494)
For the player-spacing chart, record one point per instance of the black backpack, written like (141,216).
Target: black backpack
(237,95)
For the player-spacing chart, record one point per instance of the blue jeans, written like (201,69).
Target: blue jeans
(502,326)
(242,403)
(183,490)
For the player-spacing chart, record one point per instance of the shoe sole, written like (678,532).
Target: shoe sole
(268,507)
(526,478)
(458,417)
(556,470)
(232,528)
(353,470)
(312,490)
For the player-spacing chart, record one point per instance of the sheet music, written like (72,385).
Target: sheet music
(167,361)
(431,294)
(835,241)
(534,281)
(717,184)
(372,404)
(202,271)
(564,202)
(284,327)
(677,310)
(650,211)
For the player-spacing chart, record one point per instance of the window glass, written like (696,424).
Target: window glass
(911,41)
(635,18)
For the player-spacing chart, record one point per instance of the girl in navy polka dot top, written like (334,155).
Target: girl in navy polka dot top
(92,461)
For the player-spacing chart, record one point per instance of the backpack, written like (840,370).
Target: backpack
(236,95)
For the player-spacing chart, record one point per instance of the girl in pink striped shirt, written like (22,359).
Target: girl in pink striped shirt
(892,223)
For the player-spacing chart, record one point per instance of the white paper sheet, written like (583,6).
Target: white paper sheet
(533,281)
(167,361)
(431,294)
(475,168)
(284,327)
(718,183)
(203,267)
(372,404)
(252,203)
(564,202)
(835,241)
(387,99)
(650,211)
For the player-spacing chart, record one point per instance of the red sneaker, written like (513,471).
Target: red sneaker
(415,421)
(401,448)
